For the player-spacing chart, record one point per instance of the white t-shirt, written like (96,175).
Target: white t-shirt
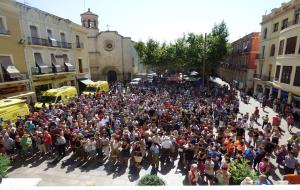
(166,144)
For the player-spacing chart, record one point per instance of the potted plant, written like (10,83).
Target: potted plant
(239,169)
(151,180)
(4,164)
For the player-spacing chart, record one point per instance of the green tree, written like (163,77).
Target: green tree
(195,49)
(217,46)
(239,170)
(151,180)
(187,51)
(4,164)
(141,49)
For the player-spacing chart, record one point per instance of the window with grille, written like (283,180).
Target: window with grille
(2,26)
(281,46)
(284,23)
(263,52)
(291,45)
(276,27)
(265,33)
(286,74)
(277,74)
(272,51)
(297,77)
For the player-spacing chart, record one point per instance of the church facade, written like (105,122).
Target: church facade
(112,56)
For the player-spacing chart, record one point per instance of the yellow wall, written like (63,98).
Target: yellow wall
(9,44)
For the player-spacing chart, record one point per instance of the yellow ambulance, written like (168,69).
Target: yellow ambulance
(53,96)
(11,109)
(96,87)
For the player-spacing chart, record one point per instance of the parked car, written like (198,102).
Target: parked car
(136,81)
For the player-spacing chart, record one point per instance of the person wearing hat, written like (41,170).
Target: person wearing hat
(193,175)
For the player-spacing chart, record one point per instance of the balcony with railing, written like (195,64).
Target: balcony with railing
(48,43)
(53,69)
(6,78)
(289,24)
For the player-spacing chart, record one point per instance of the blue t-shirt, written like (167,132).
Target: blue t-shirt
(248,155)
(30,126)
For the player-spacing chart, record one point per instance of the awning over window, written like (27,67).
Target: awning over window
(7,65)
(52,41)
(86,81)
(39,62)
(70,67)
(57,68)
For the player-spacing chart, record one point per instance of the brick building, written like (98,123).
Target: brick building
(241,62)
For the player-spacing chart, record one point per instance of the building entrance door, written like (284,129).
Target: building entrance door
(111,76)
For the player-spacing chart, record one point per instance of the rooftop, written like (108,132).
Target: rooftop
(89,13)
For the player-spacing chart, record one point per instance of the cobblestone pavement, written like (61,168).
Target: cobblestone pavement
(67,172)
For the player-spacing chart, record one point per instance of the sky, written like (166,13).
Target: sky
(165,20)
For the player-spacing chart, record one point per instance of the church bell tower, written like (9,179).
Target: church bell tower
(89,20)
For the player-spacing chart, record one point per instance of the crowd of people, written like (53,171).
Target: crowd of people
(156,123)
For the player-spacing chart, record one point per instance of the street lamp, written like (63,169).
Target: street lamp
(204,57)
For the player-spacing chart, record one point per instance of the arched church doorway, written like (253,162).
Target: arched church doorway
(111,76)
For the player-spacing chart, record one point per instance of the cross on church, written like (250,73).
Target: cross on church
(107,27)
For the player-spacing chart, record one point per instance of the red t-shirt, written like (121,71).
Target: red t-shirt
(47,139)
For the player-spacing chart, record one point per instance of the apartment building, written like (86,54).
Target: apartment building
(13,71)
(241,63)
(55,49)
(278,71)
